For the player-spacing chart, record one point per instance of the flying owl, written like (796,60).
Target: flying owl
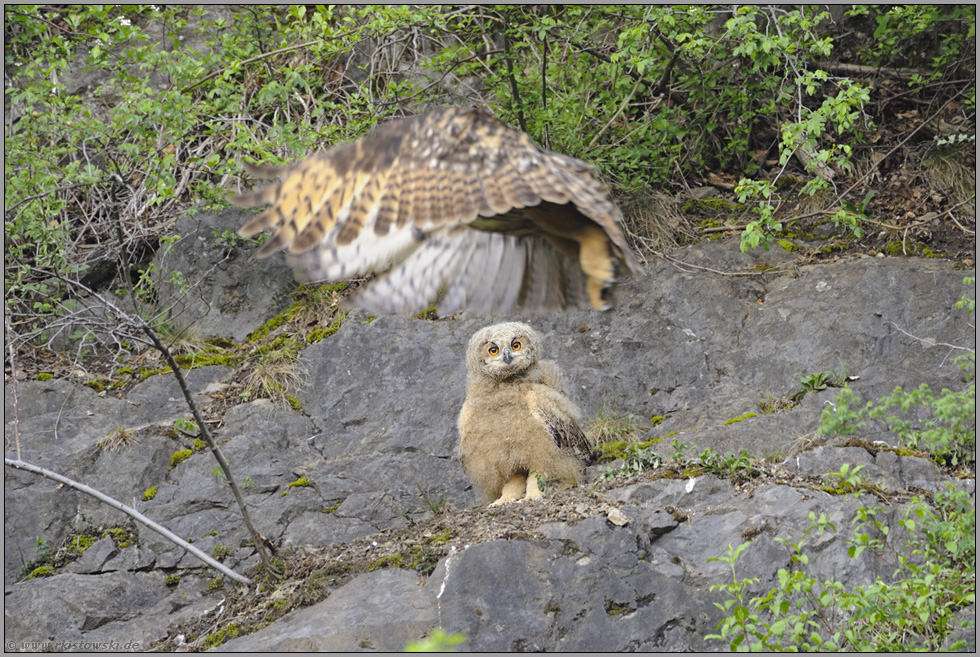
(453,206)
(517,422)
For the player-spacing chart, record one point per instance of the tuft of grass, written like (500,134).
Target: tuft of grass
(117,439)
(274,375)
(610,425)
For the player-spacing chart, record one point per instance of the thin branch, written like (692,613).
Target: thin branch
(133,513)
(263,56)
(877,164)
(258,538)
(145,327)
(13,379)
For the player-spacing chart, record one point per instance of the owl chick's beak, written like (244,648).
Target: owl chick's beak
(507,356)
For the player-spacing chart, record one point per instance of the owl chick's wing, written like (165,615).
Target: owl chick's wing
(559,416)
(453,202)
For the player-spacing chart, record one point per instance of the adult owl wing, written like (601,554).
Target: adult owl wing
(454,205)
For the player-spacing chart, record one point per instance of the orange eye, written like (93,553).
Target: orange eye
(492,350)
(516,345)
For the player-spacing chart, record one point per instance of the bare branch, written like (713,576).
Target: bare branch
(133,513)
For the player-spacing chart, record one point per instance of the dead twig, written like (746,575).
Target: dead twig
(131,512)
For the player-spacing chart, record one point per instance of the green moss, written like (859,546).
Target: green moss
(121,537)
(45,376)
(301,482)
(221,343)
(617,608)
(789,246)
(79,544)
(440,537)
(42,571)
(424,560)
(657,419)
(98,385)
(200,359)
(269,326)
(691,472)
(741,417)
(428,313)
(216,584)
(199,445)
(333,508)
(294,404)
(171,580)
(612,450)
(179,457)
(369,320)
(224,634)
(319,334)
(712,207)
(911,248)
(391,561)
(149,493)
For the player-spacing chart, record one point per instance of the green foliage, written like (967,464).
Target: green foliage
(646,92)
(439,640)
(739,466)
(636,459)
(935,562)
(948,431)
(679,453)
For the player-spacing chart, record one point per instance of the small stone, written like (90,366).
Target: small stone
(616,517)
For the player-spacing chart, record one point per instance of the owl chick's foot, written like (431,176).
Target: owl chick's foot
(533,492)
(513,490)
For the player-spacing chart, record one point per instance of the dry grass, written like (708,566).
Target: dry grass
(947,170)
(652,221)
(117,439)
(611,425)
(275,375)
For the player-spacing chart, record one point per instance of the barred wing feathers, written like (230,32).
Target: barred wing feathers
(452,204)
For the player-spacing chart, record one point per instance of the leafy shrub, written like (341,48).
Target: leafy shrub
(913,610)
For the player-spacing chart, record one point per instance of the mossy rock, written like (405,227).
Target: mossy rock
(179,457)
(911,248)
(42,571)
(743,416)
(302,482)
(123,538)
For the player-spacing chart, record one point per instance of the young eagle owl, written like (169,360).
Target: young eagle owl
(517,422)
(452,205)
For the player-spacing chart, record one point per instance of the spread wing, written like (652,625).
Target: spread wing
(452,202)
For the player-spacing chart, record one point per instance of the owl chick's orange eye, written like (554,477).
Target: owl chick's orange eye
(516,345)
(492,350)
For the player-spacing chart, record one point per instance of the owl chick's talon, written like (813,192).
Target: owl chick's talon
(512,491)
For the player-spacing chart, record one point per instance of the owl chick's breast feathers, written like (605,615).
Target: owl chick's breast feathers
(453,205)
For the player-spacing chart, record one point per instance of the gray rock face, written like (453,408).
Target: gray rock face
(377,443)
(381,611)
